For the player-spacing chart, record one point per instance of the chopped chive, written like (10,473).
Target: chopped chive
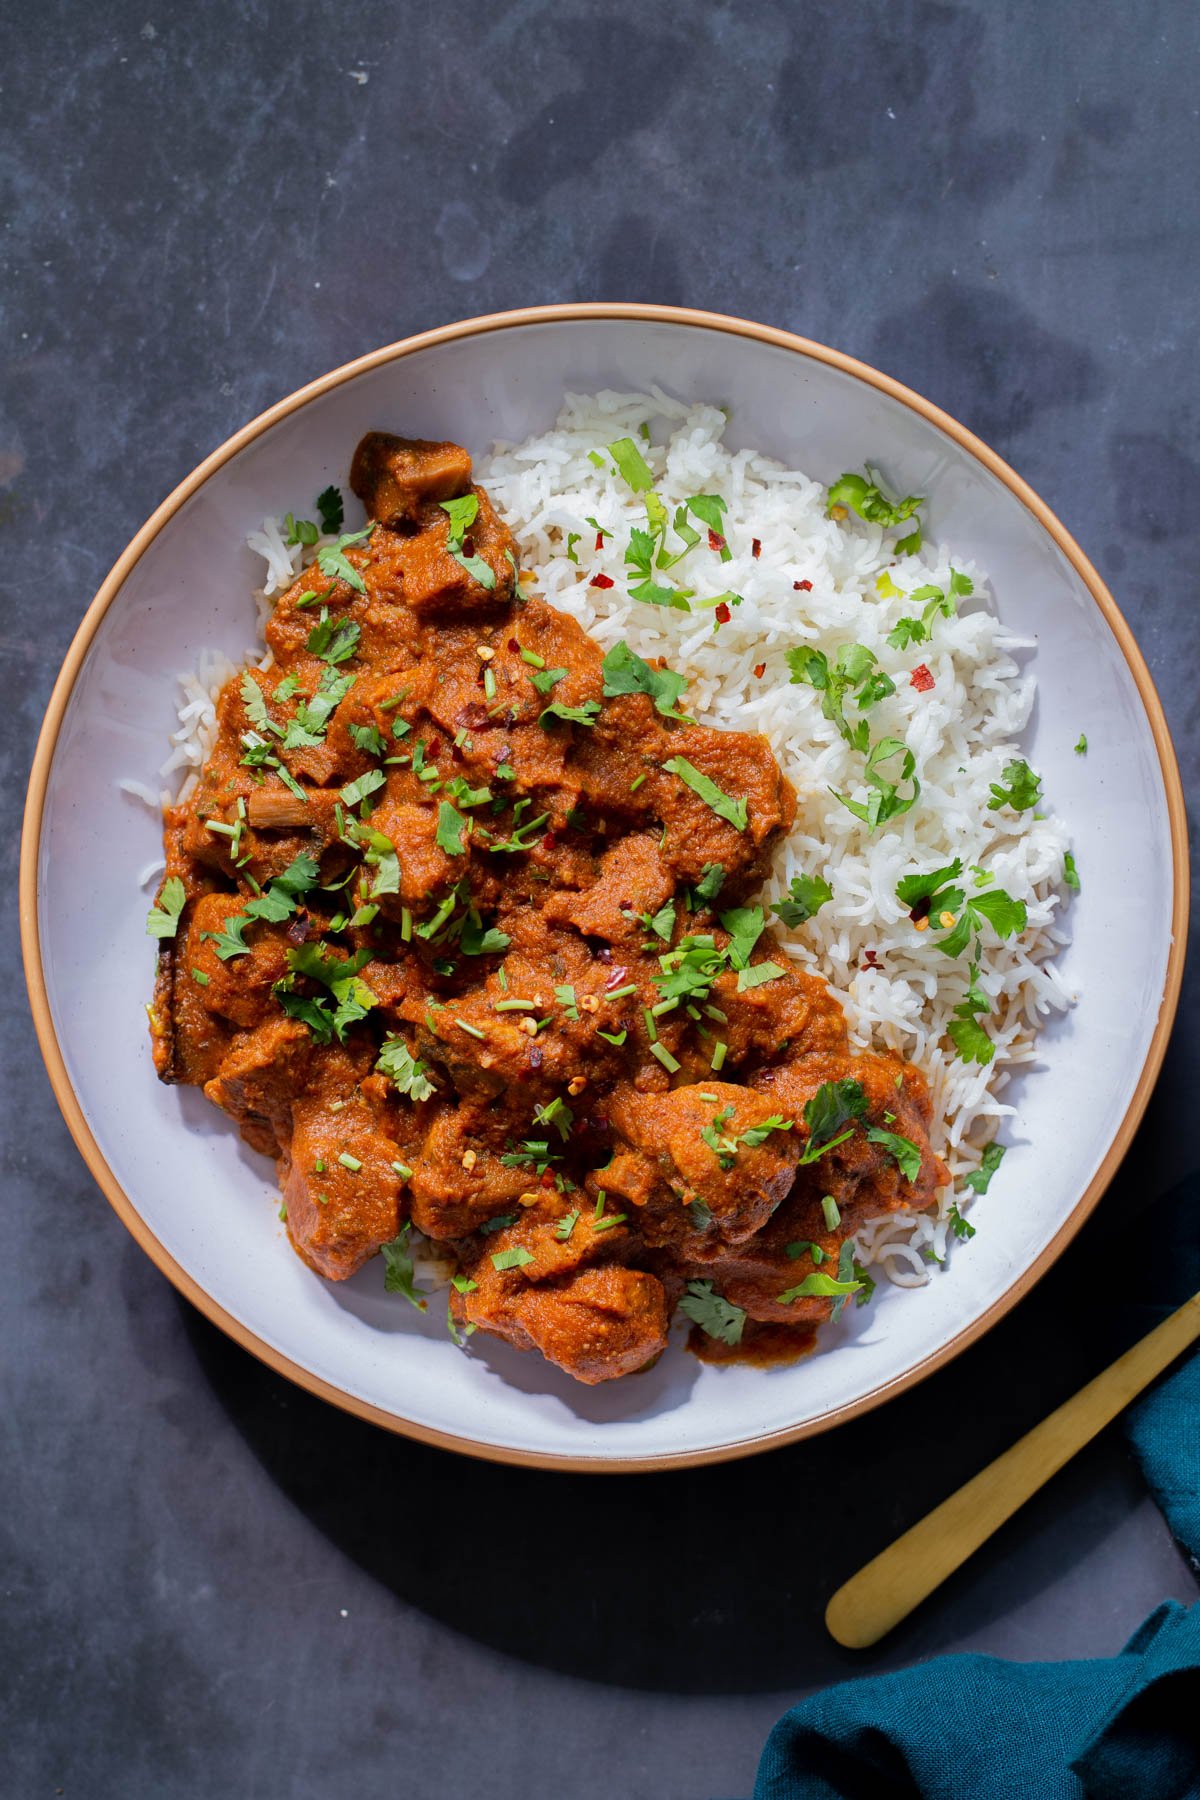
(637,781)
(319,1166)
(651,1027)
(533,659)
(512,1006)
(403,1171)
(833,1217)
(609,1220)
(406,924)
(665,1058)
(489,684)
(720,1052)
(621,992)
(200,977)
(471,1030)
(664,1006)
(350,1162)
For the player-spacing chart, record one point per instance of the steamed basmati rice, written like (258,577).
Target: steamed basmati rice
(961,733)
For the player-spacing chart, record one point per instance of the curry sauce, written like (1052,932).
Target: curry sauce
(462,931)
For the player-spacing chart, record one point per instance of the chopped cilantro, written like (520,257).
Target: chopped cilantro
(712,880)
(631,465)
(805,896)
(332,560)
(835,1103)
(1021,788)
(163,918)
(735,811)
(716,1316)
(545,679)
(365,785)
(334,640)
(962,1228)
(586,714)
(758,975)
(980,1179)
(331,509)
(398,1270)
(816,1284)
(409,1075)
(1081,746)
(868,500)
(626,673)
(566,1225)
(451,829)
(903,1151)
(1070,872)
(515,1258)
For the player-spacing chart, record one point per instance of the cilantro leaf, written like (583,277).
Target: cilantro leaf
(331,510)
(163,918)
(587,714)
(1081,746)
(980,1178)
(806,895)
(816,1284)
(867,499)
(907,631)
(230,941)
(970,1039)
(462,514)
(717,1317)
(475,941)
(515,1258)
(409,1075)
(625,673)
(299,531)
(961,1227)
(255,703)
(398,1269)
(360,789)
(835,1103)
(745,926)
(904,1152)
(1020,789)
(1070,872)
(333,563)
(1004,914)
(334,641)
(368,739)
(451,830)
(545,679)
(758,975)
(723,804)
(631,464)
(712,880)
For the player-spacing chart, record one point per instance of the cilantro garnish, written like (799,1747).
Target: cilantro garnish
(451,829)
(885,800)
(817,1284)
(961,1227)
(462,514)
(566,1225)
(835,1103)
(380,852)
(902,1150)
(362,787)
(1020,789)
(230,941)
(474,940)
(661,923)
(255,703)
(717,1317)
(163,918)
(334,641)
(368,739)
(409,1075)
(1070,872)
(980,1178)
(936,896)
(331,510)
(299,531)
(639,559)
(587,714)
(724,1145)
(868,500)
(515,1258)
(805,896)
(712,880)
(398,1269)
(710,509)
(332,559)
(545,679)
(745,926)
(558,1114)
(854,670)
(631,465)
(1081,746)
(759,975)
(723,804)
(625,673)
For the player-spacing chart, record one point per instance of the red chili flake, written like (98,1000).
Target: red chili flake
(722,614)
(921,909)
(600,536)
(802,587)
(298,930)
(547,1178)
(871,961)
(617,977)
(922,680)
(756,546)
(535,1057)
(760,670)
(715,540)
(434,747)
(601,581)
(513,645)
(468,545)
(549,841)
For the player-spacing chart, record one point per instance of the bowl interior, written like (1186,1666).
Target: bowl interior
(210,1202)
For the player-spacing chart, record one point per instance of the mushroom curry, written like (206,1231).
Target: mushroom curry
(459,925)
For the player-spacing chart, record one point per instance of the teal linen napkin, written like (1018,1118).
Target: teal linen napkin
(978,1728)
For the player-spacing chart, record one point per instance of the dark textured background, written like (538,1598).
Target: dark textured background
(211,1584)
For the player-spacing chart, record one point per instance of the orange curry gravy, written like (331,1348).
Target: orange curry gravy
(466,938)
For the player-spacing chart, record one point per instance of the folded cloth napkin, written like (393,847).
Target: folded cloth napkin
(978,1728)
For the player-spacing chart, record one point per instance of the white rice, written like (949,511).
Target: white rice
(961,734)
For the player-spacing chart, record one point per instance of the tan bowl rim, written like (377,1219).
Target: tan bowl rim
(48,738)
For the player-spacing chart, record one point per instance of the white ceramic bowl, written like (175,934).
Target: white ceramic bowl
(205,1207)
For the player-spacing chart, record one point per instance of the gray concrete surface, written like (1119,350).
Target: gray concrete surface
(210,1584)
